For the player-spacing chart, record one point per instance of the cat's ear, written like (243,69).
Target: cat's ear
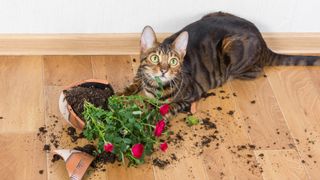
(181,42)
(148,39)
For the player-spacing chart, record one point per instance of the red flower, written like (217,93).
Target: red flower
(159,128)
(137,150)
(108,147)
(164,146)
(164,109)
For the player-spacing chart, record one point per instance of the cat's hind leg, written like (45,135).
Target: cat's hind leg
(241,55)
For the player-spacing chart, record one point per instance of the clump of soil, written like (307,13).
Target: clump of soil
(78,95)
(88,148)
(261,155)
(205,95)
(71,131)
(230,112)
(55,158)
(40,171)
(1,117)
(103,158)
(100,159)
(160,163)
(46,147)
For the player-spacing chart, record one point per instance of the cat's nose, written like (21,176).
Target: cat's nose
(163,71)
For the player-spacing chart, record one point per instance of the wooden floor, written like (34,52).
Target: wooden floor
(277,113)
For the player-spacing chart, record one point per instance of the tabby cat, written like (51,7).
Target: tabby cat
(202,56)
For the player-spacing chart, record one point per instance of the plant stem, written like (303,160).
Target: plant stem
(101,134)
(122,157)
(148,124)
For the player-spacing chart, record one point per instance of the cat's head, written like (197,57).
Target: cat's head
(162,60)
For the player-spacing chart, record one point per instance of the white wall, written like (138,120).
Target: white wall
(108,16)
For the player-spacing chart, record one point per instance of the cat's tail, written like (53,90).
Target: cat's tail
(275,59)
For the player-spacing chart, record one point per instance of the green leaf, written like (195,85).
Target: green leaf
(137,112)
(127,141)
(191,120)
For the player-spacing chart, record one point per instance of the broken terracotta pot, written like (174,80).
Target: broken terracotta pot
(66,110)
(77,162)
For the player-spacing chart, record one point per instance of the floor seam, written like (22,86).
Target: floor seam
(285,119)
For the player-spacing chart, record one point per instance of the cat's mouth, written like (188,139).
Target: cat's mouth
(163,78)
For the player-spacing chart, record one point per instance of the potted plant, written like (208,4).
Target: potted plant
(128,126)
(68,112)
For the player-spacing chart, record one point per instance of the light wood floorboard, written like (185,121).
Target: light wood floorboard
(283,123)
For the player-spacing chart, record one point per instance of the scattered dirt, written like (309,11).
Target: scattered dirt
(78,95)
(205,141)
(160,163)
(210,139)
(173,157)
(205,95)
(43,130)
(178,138)
(208,124)
(40,171)
(1,117)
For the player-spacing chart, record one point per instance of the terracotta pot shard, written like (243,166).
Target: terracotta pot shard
(77,162)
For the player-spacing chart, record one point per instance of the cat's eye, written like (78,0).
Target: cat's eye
(155,59)
(173,61)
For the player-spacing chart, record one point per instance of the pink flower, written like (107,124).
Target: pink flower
(159,128)
(164,146)
(164,109)
(108,147)
(137,150)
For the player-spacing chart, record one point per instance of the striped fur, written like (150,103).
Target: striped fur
(220,46)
